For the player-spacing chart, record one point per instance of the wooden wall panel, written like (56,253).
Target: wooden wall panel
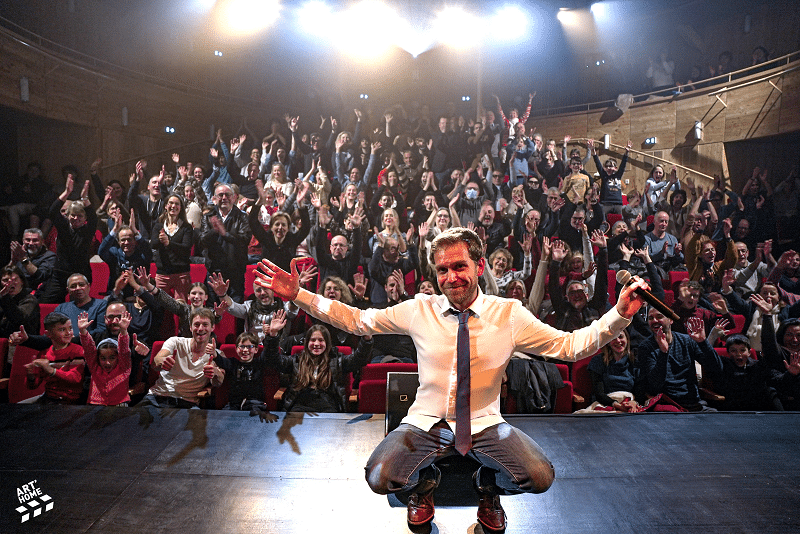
(17,61)
(790,102)
(71,94)
(547,126)
(652,119)
(559,126)
(705,109)
(598,123)
(753,111)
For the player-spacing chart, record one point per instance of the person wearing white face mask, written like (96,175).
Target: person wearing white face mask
(470,197)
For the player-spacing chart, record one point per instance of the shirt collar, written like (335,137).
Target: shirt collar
(444,307)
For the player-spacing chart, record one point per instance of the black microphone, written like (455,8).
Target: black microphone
(624,278)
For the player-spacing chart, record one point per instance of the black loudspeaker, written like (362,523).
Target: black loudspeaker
(401,391)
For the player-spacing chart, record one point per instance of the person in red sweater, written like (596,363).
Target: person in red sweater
(109,362)
(60,366)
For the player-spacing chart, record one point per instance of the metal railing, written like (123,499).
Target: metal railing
(782,61)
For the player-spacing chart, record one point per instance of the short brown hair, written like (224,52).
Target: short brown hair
(454,235)
(208,313)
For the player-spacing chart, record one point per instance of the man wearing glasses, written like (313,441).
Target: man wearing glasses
(610,180)
(224,235)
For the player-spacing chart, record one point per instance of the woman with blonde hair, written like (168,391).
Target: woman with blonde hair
(615,376)
(501,260)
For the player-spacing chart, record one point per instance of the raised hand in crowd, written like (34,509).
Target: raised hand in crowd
(307,273)
(218,284)
(558,250)
(277,323)
(84,323)
(547,248)
(695,329)
(359,285)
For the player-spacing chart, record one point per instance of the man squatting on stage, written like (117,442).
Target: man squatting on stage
(492,329)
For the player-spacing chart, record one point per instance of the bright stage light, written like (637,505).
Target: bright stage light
(513,21)
(455,27)
(412,40)
(315,17)
(368,29)
(243,17)
(567,17)
(205,5)
(599,10)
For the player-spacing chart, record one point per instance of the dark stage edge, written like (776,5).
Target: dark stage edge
(121,470)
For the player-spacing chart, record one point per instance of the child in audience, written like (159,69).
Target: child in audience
(319,373)
(247,374)
(61,366)
(576,184)
(743,380)
(109,363)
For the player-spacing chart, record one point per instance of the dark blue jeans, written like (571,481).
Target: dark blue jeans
(521,465)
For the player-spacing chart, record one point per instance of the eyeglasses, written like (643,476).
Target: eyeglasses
(224,194)
(112,317)
(246,347)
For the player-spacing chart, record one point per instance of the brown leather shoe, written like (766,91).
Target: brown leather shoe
(420,508)
(420,503)
(490,514)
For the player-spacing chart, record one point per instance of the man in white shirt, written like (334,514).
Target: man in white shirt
(186,365)
(511,461)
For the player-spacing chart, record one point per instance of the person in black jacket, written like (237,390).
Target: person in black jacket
(319,372)
(576,310)
(279,244)
(743,380)
(18,308)
(35,261)
(782,350)
(246,373)
(225,234)
(76,228)
(171,240)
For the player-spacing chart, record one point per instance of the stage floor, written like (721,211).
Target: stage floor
(121,470)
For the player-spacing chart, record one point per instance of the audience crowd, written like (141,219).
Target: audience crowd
(362,205)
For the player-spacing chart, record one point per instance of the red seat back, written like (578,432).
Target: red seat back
(17,384)
(152,375)
(100,275)
(225,329)
(581,382)
(197,272)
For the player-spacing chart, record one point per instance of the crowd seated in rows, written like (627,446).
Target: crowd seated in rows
(176,281)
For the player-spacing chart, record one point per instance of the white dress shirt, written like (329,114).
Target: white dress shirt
(497,328)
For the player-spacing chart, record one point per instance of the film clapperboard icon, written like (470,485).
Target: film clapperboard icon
(35,507)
